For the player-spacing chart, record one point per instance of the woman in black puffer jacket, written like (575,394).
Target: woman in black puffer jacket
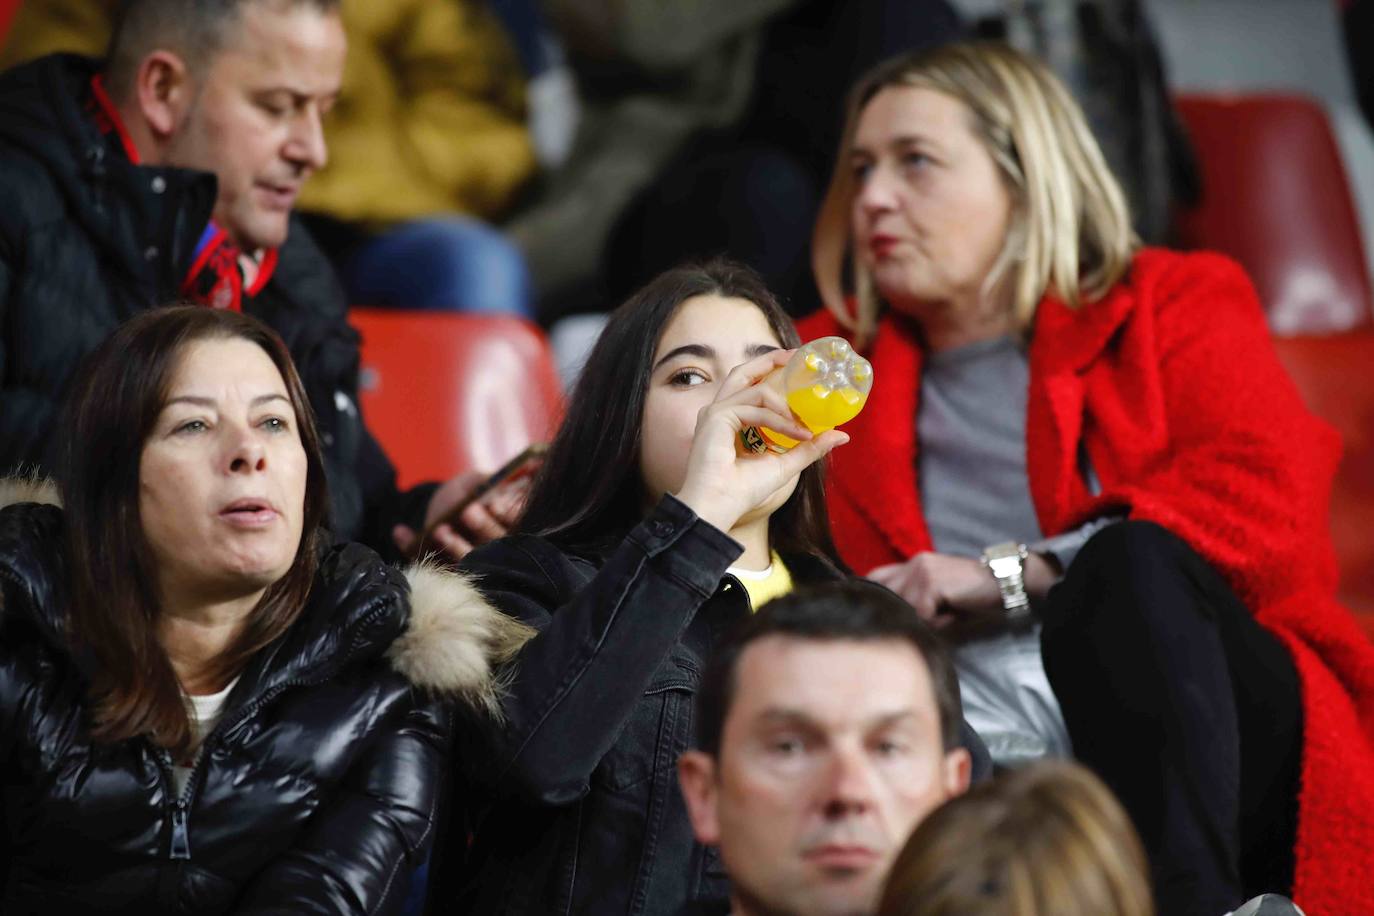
(203,708)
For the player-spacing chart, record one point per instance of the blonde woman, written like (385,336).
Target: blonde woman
(1047,839)
(1083,457)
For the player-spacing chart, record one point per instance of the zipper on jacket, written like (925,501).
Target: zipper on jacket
(181,839)
(181,835)
(180,849)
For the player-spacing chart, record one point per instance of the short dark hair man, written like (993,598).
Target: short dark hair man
(829,725)
(169,172)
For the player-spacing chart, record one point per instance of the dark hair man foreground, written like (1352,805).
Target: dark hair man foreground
(170,172)
(829,726)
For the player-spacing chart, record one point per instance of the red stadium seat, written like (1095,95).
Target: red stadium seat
(1335,373)
(7,10)
(445,393)
(1276,199)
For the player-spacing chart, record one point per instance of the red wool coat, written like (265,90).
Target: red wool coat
(1172,385)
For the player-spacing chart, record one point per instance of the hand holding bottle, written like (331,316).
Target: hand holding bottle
(723,482)
(824,383)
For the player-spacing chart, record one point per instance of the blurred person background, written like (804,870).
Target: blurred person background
(1047,839)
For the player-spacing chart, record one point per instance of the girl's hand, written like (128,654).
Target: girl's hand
(724,482)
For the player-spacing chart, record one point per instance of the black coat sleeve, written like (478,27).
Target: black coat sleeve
(358,852)
(602,636)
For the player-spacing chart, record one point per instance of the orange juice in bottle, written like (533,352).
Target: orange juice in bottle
(825,383)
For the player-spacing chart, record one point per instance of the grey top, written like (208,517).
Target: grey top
(975,491)
(972,466)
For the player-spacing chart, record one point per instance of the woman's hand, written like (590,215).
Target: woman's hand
(940,586)
(946,589)
(724,482)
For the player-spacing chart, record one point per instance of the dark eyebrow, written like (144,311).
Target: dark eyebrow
(701,351)
(210,402)
(785,714)
(781,715)
(894,718)
(782,718)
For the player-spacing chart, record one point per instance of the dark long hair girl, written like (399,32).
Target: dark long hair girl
(647,532)
(589,490)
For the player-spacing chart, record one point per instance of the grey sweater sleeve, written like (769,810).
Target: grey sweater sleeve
(1064,547)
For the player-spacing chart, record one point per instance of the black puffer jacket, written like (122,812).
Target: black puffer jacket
(585,813)
(88,239)
(316,793)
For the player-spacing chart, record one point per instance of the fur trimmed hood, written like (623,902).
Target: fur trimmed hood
(28,489)
(455,639)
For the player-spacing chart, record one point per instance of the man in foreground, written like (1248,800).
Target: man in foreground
(829,726)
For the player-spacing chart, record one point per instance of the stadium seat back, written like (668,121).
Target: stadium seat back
(447,392)
(1335,373)
(1276,198)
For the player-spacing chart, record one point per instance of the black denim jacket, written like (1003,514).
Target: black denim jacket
(581,811)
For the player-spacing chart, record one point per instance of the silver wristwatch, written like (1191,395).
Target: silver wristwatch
(1007,563)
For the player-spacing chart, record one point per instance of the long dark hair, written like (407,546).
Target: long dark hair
(590,492)
(109,413)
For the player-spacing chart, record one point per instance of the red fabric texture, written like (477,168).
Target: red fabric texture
(1172,385)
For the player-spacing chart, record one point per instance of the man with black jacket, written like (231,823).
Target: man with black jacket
(169,172)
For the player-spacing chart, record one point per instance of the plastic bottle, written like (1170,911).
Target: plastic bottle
(825,383)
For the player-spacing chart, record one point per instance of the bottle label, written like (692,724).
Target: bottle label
(755,442)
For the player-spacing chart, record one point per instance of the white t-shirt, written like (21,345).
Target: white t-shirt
(206,711)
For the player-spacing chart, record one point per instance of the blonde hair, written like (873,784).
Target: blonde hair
(1044,840)
(1070,232)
